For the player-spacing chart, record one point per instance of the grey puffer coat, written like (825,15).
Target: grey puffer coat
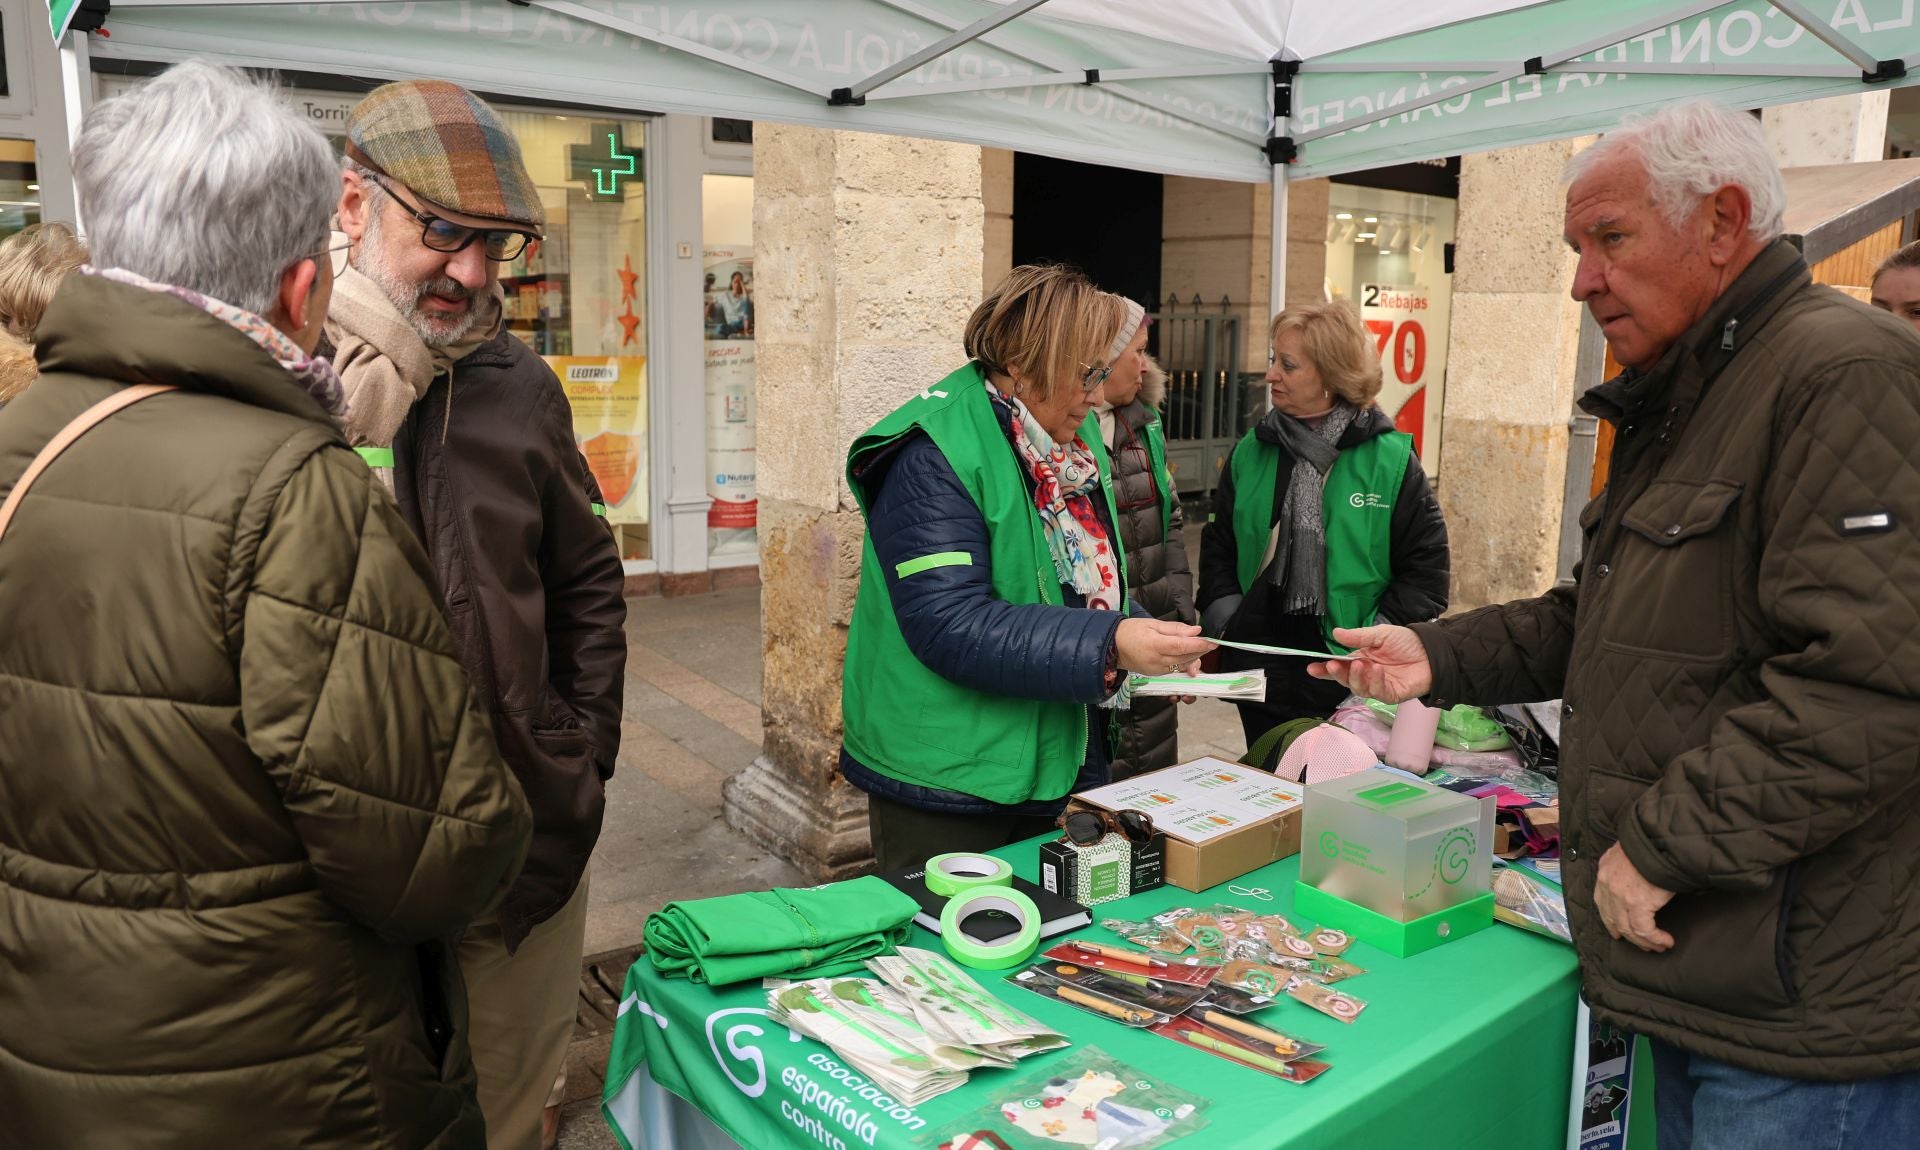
(1159,573)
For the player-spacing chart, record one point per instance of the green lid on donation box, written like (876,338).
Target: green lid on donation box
(1396,862)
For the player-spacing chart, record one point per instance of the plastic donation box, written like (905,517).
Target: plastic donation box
(1396,862)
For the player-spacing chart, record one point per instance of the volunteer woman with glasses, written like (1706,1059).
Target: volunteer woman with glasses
(1323,518)
(990,639)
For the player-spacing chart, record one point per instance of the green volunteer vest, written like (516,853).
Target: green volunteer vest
(902,719)
(1357,505)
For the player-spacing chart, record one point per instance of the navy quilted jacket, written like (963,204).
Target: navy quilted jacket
(953,622)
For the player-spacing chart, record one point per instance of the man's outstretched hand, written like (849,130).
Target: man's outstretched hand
(1388,663)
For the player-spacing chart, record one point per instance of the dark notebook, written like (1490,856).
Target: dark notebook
(1057,915)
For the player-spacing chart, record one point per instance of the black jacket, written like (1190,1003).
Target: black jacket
(955,624)
(488,474)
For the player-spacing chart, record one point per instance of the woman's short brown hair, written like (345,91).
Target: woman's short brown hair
(1047,321)
(33,261)
(1337,343)
(1907,257)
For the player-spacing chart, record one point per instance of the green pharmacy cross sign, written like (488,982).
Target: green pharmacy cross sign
(606,165)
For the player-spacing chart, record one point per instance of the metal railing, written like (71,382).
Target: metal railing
(1210,403)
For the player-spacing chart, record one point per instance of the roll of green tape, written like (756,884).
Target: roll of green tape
(949,874)
(1008,950)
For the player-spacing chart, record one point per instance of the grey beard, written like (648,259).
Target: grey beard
(406,297)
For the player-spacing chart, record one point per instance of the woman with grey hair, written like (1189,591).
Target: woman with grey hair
(245,791)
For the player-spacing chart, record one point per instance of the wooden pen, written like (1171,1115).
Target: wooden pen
(1126,1014)
(1132,956)
(1227,1021)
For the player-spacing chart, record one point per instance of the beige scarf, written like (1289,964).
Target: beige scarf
(383,363)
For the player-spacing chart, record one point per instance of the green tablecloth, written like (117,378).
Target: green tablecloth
(1466,1046)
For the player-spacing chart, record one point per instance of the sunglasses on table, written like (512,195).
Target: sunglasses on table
(1087,827)
(442,235)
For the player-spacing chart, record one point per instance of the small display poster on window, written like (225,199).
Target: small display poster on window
(732,409)
(608,394)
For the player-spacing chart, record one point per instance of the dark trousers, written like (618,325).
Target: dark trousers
(906,836)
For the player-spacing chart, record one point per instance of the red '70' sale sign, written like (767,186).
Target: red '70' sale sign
(1397,318)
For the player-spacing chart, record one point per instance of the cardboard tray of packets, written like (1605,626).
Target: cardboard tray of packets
(1215,821)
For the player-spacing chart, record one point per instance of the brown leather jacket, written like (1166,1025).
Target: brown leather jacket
(1740,666)
(488,474)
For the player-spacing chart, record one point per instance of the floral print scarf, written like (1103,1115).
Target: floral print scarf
(1065,478)
(314,374)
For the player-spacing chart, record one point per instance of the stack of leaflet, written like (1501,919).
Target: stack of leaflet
(917,1033)
(1225,685)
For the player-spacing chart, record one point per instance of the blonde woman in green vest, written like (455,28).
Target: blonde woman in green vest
(991,634)
(1323,517)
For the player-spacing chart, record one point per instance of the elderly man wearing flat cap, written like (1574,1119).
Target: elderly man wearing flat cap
(472,432)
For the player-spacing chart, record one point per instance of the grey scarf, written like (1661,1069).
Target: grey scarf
(1297,555)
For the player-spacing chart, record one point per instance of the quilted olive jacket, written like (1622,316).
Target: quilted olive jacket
(1740,664)
(245,789)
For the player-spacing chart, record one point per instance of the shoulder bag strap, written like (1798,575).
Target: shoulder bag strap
(82,423)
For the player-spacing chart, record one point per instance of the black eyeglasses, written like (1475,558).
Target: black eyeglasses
(1092,377)
(502,244)
(1085,828)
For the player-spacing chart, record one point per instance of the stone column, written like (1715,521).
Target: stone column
(996,190)
(867,264)
(1837,130)
(1512,348)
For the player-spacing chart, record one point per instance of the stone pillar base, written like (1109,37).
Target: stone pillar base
(823,832)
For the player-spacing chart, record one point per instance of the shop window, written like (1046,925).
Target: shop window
(579,298)
(1386,253)
(19,187)
(732,408)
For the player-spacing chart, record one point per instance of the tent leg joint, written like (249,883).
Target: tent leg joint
(1888,70)
(1282,150)
(844,98)
(1535,66)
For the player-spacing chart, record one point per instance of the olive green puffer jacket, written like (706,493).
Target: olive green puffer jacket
(245,791)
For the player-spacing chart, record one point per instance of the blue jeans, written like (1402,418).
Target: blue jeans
(1701,1104)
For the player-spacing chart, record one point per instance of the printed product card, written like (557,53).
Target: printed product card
(1204,799)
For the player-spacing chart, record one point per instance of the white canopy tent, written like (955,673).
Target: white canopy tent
(1225,89)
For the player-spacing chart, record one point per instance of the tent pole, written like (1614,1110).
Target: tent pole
(1277,261)
(959,38)
(76,97)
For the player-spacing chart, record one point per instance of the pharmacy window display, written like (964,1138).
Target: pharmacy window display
(579,298)
(1386,253)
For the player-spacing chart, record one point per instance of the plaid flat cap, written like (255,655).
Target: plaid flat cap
(445,144)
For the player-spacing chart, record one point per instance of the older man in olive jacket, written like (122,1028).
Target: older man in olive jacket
(1739,658)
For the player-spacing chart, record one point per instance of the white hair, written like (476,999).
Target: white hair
(203,179)
(1691,150)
